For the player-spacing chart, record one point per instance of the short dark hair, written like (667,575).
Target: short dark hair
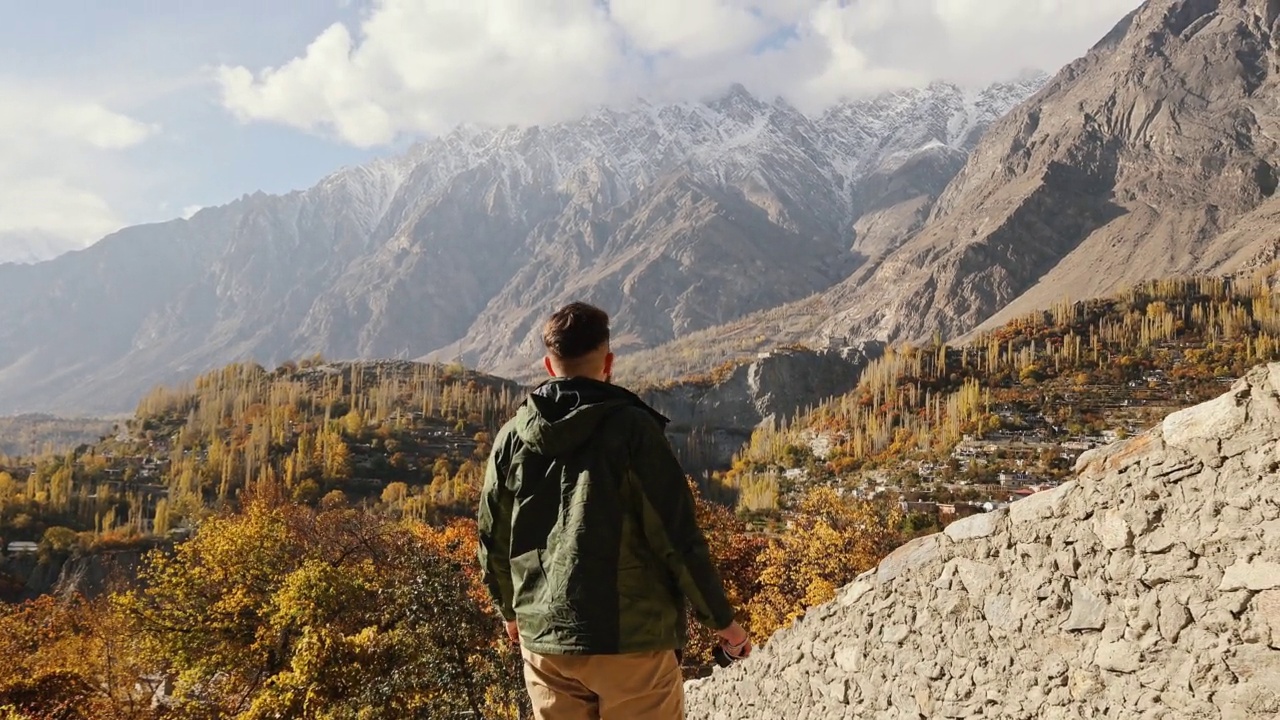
(575,330)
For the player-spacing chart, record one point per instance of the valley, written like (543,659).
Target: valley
(962,378)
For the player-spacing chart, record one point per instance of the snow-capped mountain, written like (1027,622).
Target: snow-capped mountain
(731,135)
(674,217)
(33,246)
(890,128)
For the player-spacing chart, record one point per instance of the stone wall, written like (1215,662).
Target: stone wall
(1148,587)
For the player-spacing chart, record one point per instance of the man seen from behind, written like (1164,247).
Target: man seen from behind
(588,540)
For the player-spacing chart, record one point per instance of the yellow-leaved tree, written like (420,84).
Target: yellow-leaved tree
(285,611)
(831,541)
(72,659)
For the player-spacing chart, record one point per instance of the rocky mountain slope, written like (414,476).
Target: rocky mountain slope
(674,217)
(1147,587)
(767,224)
(1153,155)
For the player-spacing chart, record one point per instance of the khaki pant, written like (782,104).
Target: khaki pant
(638,686)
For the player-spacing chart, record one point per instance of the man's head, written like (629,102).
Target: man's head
(577,340)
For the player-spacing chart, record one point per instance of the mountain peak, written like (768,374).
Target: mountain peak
(1129,165)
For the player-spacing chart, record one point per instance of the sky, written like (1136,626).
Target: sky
(131,111)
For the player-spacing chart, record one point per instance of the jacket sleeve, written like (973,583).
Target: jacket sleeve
(671,527)
(494,525)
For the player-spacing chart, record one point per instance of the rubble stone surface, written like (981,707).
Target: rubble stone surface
(1148,587)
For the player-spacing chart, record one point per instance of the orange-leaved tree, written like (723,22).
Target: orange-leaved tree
(735,550)
(71,659)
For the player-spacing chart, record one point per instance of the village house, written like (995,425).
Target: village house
(948,511)
(23,547)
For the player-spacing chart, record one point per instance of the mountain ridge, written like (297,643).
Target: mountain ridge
(1123,168)
(468,236)
(29,247)
(1151,156)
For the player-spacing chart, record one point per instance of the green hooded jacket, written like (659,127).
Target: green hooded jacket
(587,531)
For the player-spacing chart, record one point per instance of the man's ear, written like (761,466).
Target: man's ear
(546,362)
(608,365)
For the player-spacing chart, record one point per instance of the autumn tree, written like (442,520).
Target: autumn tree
(831,541)
(72,659)
(283,611)
(735,551)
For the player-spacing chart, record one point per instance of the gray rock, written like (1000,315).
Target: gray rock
(1268,605)
(1172,612)
(912,555)
(854,592)
(999,612)
(1213,420)
(976,526)
(1157,542)
(1042,505)
(1112,530)
(894,634)
(1066,562)
(1256,665)
(848,659)
(977,577)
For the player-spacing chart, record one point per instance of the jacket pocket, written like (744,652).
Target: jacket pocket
(527,579)
(647,616)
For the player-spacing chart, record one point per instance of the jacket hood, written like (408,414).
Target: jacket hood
(563,413)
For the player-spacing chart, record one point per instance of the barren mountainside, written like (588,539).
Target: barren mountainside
(1154,155)
(675,217)
(709,230)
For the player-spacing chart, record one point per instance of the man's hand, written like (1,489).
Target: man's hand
(513,632)
(735,641)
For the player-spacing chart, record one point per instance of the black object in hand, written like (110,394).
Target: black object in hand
(721,657)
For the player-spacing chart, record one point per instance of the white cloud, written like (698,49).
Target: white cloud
(987,32)
(427,66)
(54,156)
(692,29)
(415,67)
(189,211)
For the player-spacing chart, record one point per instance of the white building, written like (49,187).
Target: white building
(22,547)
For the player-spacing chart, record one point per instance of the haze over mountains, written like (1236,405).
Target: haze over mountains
(26,247)
(676,218)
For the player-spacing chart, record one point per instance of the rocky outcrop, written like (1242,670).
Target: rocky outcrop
(711,421)
(1147,587)
(89,574)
